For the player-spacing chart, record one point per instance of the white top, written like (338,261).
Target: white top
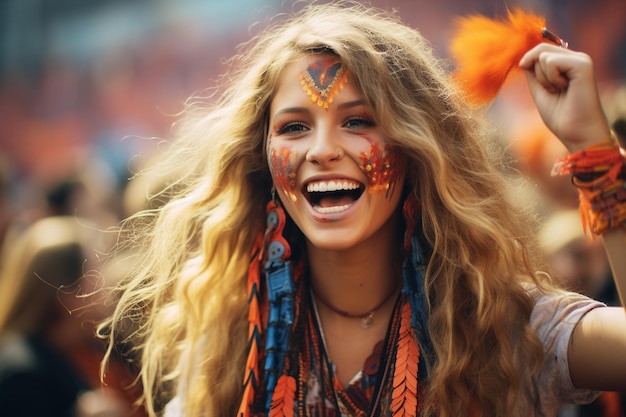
(553,319)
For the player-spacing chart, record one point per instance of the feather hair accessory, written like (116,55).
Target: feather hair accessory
(487,50)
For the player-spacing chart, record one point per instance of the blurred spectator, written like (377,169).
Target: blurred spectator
(51,298)
(577,263)
(89,193)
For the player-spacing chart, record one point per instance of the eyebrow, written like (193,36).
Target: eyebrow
(348,104)
(342,106)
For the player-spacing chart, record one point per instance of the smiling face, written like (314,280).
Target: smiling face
(337,178)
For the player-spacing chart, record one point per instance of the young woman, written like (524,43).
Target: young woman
(342,242)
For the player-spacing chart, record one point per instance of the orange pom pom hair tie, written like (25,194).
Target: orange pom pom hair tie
(487,50)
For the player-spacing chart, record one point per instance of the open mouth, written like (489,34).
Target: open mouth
(333,196)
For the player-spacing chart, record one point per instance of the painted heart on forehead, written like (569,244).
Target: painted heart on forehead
(323,79)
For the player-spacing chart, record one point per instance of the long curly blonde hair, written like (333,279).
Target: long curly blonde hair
(187,298)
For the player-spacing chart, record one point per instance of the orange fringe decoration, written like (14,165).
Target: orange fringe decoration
(602,200)
(404,398)
(251,374)
(486,50)
(284,396)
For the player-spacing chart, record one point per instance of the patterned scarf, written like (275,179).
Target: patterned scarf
(286,342)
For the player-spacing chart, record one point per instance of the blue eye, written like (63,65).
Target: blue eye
(359,123)
(292,128)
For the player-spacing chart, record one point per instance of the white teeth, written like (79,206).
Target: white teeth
(323,186)
(333,209)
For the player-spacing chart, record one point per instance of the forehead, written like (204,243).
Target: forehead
(318,78)
(315,64)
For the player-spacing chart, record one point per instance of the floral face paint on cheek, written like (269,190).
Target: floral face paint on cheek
(323,79)
(382,168)
(281,163)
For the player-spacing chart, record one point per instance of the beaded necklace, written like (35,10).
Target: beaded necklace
(365,395)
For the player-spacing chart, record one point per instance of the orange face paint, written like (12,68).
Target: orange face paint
(281,162)
(323,79)
(382,167)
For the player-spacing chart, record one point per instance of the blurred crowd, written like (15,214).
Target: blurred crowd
(76,128)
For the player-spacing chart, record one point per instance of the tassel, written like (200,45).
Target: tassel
(251,373)
(410,211)
(413,275)
(284,397)
(404,398)
(487,50)
(281,292)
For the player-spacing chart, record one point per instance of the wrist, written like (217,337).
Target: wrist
(593,140)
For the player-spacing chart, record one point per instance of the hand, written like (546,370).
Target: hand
(563,85)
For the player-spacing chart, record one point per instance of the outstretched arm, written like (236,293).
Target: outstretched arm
(562,83)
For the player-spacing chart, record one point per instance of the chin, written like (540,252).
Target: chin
(336,241)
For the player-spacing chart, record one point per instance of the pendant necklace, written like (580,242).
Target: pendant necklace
(367,318)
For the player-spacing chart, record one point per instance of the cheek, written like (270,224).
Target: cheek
(383,168)
(282,163)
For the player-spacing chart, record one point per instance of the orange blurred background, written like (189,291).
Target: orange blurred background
(90,84)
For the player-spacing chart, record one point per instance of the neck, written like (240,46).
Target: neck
(362,315)
(355,280)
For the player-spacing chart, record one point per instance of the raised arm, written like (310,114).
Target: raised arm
(563,85)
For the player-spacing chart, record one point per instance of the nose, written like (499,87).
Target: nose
(325,146)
